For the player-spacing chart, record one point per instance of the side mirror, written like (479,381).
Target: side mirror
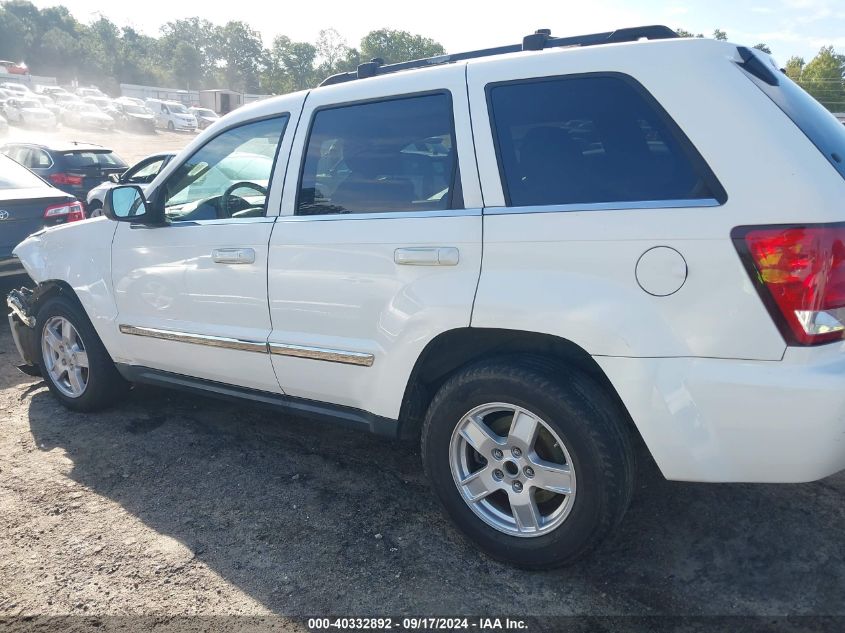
(128,204)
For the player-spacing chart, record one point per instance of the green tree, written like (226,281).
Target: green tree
(291,64)
(13,44)
(718,34)
(794,67)
(398,46)
(763,47)
(203,37)
(334,55)
(685,33)
(244,56)
(822,78)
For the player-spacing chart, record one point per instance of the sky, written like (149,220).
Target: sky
(789,27)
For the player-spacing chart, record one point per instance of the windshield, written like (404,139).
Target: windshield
(29,103)
(133,109)
(178,108)
(88,107)
(14,176)
(204,112)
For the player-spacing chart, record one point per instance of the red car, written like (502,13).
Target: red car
(14,68)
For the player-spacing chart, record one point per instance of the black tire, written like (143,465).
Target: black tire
(95,208)
(589,421)
(170,126)
(105,385)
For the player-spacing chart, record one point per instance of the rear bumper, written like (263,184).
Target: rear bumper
(739,421)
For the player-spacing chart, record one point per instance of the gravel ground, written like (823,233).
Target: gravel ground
(178,505)
(173,505)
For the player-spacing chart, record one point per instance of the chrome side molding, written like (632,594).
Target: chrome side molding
(282,349)
(320,353)
(196,339)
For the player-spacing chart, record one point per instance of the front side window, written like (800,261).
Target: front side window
(592,139)
(229,176)
(144,173)
(381,156)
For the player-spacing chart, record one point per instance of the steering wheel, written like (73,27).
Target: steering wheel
(226,199)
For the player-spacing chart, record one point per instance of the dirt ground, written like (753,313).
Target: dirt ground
(173,505)
(178,505)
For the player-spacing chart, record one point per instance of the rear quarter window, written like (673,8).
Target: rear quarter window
(596,138)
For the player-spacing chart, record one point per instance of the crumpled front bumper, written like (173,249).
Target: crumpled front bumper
(22,325)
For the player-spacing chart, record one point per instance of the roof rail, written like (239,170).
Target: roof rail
(537,41)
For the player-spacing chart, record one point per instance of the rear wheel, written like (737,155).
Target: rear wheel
(76,366)
(531,461)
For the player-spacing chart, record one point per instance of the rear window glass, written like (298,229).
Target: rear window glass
(15,176)
(812,118)
(81,160)
(592,139)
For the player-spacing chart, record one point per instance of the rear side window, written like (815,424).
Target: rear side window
(587,139)
(381,156)
(82,160)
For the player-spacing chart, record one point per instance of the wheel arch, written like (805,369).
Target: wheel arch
(451,350)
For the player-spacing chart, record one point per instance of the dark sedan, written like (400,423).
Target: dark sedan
(75,168)
(28,204)
(134,118)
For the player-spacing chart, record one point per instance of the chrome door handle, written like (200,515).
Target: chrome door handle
(436,256)
(233,255)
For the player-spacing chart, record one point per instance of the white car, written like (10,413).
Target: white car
(86,115)
(28,112)
(172,116)
(4,126)
(204,116)
(49,104)
(141,174)
(21,90)
(528,258)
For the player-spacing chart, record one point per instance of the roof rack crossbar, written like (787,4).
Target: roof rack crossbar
(539,40)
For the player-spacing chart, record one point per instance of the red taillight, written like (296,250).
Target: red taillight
(70,211)
(65,179)
(801,276)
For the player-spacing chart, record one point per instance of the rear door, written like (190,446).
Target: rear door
(378,247)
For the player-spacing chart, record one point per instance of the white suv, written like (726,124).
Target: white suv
(526,257)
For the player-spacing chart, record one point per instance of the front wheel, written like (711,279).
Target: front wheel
(533,462)
(74,362)
(95,209)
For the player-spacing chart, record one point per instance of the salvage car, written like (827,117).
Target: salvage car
(75,168)
(646,279)
(28,204)
(141,173)
(204,117)
(86,115)
(29,112)
(133,117)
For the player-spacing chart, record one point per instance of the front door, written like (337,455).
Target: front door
(192,296)
(378,246)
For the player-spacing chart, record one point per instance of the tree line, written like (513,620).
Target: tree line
(196,54)
(190,53)
(823,76)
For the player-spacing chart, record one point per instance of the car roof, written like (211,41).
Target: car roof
(65,146)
